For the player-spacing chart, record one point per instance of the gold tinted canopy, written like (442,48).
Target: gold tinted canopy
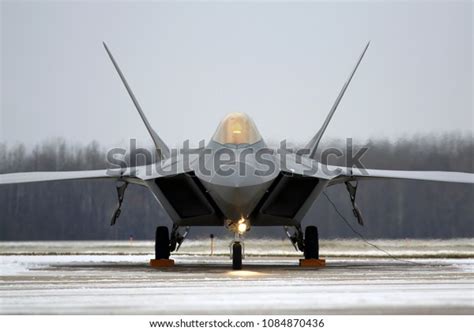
(237,129)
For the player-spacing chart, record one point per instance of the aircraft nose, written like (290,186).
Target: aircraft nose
(238,185)
(236,202)
(237,195)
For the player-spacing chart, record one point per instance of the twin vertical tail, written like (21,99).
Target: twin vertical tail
(314,142)
(164,151)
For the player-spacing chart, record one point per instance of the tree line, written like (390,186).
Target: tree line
(81,210)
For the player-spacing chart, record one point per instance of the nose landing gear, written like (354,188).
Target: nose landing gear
(236,254)
(238,227)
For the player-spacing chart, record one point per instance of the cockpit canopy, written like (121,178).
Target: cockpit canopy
(237,129)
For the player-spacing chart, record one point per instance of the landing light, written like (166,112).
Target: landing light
(239,226)
(242,227)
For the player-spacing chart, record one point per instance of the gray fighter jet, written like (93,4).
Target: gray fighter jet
(237,182)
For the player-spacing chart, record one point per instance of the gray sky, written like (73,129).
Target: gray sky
(191,63)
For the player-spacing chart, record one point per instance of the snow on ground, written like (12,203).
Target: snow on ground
(125,284)
(253,247)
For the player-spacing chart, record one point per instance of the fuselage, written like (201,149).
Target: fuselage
(233,174)
(237,177)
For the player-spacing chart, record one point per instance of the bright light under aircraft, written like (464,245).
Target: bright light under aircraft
(242,226)
(239,202)
(245,273)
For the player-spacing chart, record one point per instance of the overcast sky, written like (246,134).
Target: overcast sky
(191,63)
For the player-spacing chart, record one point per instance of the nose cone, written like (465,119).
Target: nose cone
(238,191)
(232,176)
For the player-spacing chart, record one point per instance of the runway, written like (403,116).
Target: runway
(125,284)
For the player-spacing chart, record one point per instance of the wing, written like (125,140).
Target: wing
(145,175)
(136,175)
(348,174)
(48,176)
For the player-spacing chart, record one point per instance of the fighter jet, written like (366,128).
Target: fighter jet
(236,181)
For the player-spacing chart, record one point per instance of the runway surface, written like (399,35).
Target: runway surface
(125,284)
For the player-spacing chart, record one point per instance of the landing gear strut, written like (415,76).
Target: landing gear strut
(239,228)
(307,243)
(297,238)
(165,244)
(177,238)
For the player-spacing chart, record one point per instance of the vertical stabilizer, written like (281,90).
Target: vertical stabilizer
(161,147)
(314,142)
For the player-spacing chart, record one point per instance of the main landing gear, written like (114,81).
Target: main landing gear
(165,244)
(162,243)
(307,243)
(311,242)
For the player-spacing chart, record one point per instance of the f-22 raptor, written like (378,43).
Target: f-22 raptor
(236,182)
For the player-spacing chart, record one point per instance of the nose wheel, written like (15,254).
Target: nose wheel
(236,255)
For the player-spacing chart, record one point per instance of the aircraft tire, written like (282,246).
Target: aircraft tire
(162,243)
(311,242)
(236,256)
